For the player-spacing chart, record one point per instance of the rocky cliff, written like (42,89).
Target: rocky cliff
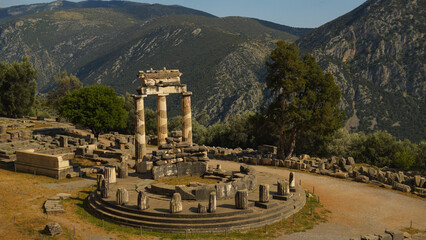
(377,55)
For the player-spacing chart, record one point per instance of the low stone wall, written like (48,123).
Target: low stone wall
(179,169)
(230,184)
(42,164)
(338,167)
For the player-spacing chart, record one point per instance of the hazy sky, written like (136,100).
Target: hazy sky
(295,13)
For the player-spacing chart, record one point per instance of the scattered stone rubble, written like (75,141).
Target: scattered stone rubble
(387,235)
(338,167)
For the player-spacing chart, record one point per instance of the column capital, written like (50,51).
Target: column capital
(136,96)
(162,94)
(186,93)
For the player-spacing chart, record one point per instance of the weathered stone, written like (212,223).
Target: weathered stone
(264,193)
(401,187)
(185,192)
(99,179)
(362,178)
(341,175)
(281,187)
(396,234)
(292,182)
(342,162)
(52,229)
(63,141)
(350,161)
(104,188)
(372,172)
(123,170)
(247,169)
(143,200)
(417,179)
(212,202)
(110,174)
(241,199)
(176,203)
(122,196)
(201,208)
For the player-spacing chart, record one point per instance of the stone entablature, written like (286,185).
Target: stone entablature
(160,82)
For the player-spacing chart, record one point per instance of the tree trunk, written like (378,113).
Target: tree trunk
(292,144)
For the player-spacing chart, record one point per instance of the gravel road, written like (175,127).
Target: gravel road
(356,208)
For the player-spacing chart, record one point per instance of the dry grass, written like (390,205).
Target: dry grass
(411,231)
(185,180)
(84,162)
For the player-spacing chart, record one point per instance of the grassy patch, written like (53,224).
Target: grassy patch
(411,231)
(303,220)
(83,162)
(184,180)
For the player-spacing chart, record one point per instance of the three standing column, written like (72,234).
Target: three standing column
(186,117)
(161,118)
(140,138)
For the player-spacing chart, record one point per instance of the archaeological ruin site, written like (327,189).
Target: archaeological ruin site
(235,192)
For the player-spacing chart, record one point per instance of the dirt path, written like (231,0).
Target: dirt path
(357,209)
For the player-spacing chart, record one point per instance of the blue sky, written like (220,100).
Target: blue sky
(295,13)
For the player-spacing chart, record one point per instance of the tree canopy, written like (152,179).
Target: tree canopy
(306,99)
(96,107)
(64,84)
(17,87)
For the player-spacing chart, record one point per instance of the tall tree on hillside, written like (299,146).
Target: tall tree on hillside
(17,87)
(96,107)
(306,98)
(64,84)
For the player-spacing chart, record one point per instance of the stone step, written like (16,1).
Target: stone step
(210,218)
(172,223)
(180,228)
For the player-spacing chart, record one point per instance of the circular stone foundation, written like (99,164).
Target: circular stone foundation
(226,218)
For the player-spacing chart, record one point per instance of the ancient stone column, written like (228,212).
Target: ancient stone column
(292,181)
(104,188)
(110,174)
(176,203)
(143,201)
(140,138)
(122,196)
(63,141)
(286,188)
(186,117)
(161,118)
(212,202)
(280,187)
(123,170)
(241,199)
(99,179)
(264,193)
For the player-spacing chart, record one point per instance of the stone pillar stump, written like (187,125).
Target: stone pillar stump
(122,196)
(143,201)
(176,203)
(99,179)
(292,181)
(212,202)
(264,193)
(110,174)
(201,208)
(104,189)
(123,170)
(241,199)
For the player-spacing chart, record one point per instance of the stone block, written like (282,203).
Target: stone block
(396,234)
(362,178)
(185,192)
(350,161)
(401,187)
(52,229)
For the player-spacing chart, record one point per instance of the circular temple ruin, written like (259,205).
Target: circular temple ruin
(235,201)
